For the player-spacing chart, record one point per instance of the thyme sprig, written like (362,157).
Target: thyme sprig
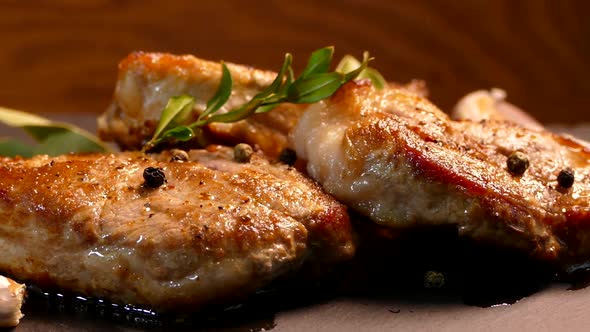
(314,83)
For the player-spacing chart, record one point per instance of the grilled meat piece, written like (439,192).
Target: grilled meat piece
(147,80)
(214,230)
(396,158)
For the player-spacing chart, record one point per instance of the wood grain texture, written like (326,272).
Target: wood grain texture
(61,56)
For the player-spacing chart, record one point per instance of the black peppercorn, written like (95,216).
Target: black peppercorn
(565,178)
(154,177)
(517,163)
(288,157)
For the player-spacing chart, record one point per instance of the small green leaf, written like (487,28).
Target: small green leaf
(250,107)
(222,94)
(354,73)
(347,64)
(350,64)
(376,78)
(12,148)
(180,133)
(282,91)
(319,62)
(290,76)
(314,88)
(266,108)
(273,91)
(237,114)
(65,142)
(41,133)
(275,86)
(175,106)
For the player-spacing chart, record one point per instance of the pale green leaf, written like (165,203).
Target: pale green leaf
(272,92)
(355,73)
(275,86)
(347,64)
(41,133)
(42,129)
(180,133)
(14,118)
(66,142)
(175,106)
(350,64)
(376,78)
(266,108)
(238,114)
(222,94)
(319,62)
(11,148)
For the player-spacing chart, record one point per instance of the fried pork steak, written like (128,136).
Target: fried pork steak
(147,80)
(215,229)
(396,158)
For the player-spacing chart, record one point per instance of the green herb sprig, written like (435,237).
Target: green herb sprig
(315,83)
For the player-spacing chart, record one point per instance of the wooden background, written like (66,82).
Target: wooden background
(61,56)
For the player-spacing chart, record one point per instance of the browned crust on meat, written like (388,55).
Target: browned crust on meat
(189,67)
(216,230)
(462,164)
